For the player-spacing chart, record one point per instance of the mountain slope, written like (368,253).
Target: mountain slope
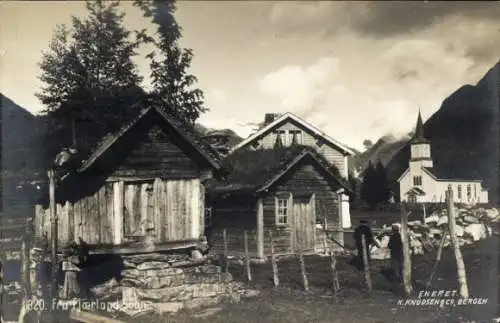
(464,135)
(383,150)
(20,151)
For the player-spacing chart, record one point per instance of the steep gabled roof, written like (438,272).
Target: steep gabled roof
(290,116)
(419,137)
(257,170)
(190,135)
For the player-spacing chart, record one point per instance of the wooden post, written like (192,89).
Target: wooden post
(25,277)
(273,261)
(366,265)
(303,271)
(462,276)
(260,228)
(438,259)
(406,252)
(53,237)
(247,257)
(335,281)
(325,244)
(226,263)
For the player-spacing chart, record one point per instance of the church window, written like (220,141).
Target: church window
(469,192)
(417,180)
(459,192)
(475,191)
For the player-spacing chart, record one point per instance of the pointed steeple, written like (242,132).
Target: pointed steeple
(419,131)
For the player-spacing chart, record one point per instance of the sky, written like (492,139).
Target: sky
(357,70)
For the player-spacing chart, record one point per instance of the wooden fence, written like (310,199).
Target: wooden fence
(232,242)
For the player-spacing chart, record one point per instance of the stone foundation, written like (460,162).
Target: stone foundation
(167,283)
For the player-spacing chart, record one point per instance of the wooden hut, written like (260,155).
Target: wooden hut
(288,192)
(140,189)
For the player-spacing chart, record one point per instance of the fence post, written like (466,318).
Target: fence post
(247,257)
(366,264)
(406,252)
(303,270)
(53,236)
(325,244)
(226,262)
(438,259)
(462,276)
(335,281)
(273,262)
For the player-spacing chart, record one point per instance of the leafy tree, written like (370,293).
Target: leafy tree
(382,184)
(90,80)
(173,86)
(367,143)
(369,186)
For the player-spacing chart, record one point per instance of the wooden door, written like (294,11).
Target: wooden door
(304,220)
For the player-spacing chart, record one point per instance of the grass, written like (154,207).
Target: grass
(289,303)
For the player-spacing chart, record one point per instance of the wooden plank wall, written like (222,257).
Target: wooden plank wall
(169,210)
(236,244)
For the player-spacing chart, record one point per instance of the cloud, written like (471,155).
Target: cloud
(216,96)
(377,96)
(476,25)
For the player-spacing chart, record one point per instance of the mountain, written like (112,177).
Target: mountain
(383,150)
(20,151)
(464,135)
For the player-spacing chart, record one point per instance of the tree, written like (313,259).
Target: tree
(369,186)
(367,143)
(173,86)
(90,81)
(382,184)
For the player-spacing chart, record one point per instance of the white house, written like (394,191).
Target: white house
(421,182)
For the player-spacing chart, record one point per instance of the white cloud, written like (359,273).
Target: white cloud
(371,97)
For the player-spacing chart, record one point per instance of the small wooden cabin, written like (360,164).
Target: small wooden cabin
(286,192)
(140,189)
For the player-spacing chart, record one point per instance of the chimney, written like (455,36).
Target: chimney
(269,117)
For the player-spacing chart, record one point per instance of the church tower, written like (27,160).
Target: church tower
(420,147)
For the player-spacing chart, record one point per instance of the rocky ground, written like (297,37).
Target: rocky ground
(472,225)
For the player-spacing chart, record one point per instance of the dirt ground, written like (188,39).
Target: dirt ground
(289,303)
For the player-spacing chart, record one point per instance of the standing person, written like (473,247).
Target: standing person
(364,230)
(396,247)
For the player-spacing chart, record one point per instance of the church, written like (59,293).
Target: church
(422,183)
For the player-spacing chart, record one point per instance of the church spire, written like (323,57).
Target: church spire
(419,131)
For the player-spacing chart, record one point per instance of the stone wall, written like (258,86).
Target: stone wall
(168,283)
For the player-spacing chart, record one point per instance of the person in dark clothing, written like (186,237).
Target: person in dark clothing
(364,230)
(396,247)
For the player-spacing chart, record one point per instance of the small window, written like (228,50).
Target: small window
(412,198)
(417,180)
(469,192)
(280,138)
(282,210)
(459,192)
(475,191)
(295,137)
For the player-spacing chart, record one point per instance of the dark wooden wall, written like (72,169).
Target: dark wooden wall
(123,212)
(236,215)
(148,183)
(305,179)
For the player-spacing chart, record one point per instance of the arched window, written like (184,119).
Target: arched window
(469,192)
(459,192)
(417,180)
